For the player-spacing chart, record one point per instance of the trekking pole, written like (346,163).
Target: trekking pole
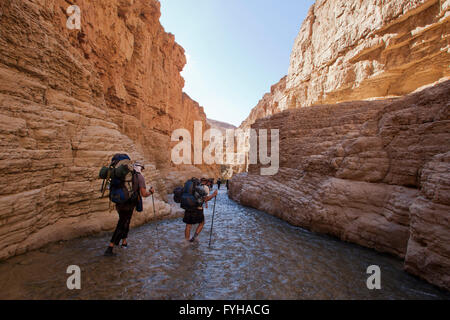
(212,223)
(156,225)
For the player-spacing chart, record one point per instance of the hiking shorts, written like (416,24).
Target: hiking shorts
(195,216)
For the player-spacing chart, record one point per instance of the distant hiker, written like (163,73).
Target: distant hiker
(193,198)
(211,183)
(228,185)
(125,208)
(204,183)
(219,182)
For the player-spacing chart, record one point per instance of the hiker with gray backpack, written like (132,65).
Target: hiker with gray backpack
(127,187)
(192,198)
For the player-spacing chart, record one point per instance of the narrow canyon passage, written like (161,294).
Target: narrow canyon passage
(253,256)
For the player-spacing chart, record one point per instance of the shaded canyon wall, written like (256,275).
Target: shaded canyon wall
(373,169)
(376,173)
(69,100)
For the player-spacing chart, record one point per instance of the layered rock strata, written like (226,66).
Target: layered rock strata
(69,100)
(356,50)
(374,173)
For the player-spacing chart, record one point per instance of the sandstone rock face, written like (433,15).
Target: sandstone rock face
(268,105)
(69,100)
(230,167)
(428,247)
(354,50)
(374,173)
(222,126)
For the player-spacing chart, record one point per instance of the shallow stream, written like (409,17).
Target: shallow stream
(253,256)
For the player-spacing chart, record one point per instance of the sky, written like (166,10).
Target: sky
(236,49)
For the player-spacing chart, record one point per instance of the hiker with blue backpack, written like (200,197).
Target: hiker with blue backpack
(127,187)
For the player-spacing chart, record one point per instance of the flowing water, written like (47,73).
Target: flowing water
(253,256)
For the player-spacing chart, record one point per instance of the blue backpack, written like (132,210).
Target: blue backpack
(119,177)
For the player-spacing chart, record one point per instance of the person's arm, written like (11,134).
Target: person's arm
(146,194)
(206,200)
(211,196)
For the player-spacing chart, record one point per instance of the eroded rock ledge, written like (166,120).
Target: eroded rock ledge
(376,173)
(69,100)
(350,50)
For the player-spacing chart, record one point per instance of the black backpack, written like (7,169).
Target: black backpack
(177,194)
(192,196)
(119,177)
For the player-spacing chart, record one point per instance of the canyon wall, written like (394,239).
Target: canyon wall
(268,105)
(373,169)
(356,50)
(376,173)
(230,167)
(69,100)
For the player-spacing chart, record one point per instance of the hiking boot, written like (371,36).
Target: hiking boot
(109,252)
(124,246)
(194,238)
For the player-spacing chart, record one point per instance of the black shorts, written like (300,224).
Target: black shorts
(193,216)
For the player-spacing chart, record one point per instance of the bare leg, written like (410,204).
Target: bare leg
(197,231)
(187,231)
(200,228)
